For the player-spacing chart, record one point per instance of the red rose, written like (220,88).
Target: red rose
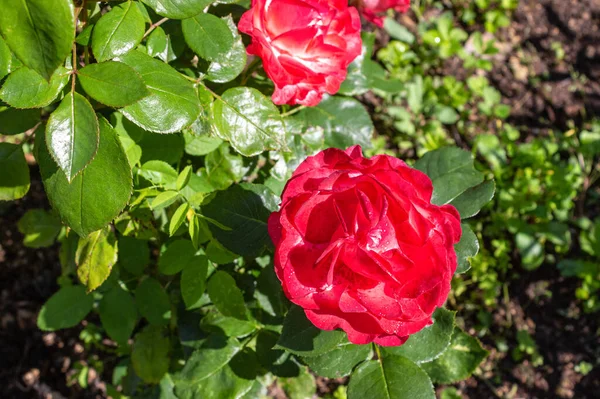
(306,45)
(374,10)
(360,247)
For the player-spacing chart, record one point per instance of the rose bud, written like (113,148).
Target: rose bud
(374,10)
(305,45)
(360,246)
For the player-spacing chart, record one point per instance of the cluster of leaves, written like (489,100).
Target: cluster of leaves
(162,158)
(431,102)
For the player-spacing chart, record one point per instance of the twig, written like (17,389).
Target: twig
(154,26)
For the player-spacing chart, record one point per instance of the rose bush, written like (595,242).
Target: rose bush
(374,10)
(306,46)
(360,246)
(163,160)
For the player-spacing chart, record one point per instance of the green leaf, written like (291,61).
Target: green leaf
(249,121)
(184,178)
(65,309)
(219,369)
(230,326)
(226,296)
(269,294)
(39,227)
(112,83)
(340,361)
(469,203)
(393,377)
(397,31)
(302,338)
(153,302)
(118,315)
(118,31)
(208,35)
(466,248)
(98,194)
(14,179)
(459,361)
(150,355)
(134,255)
(16,121)
(232,63)
(178,218)
(176,257)
(200,145)
(164,200)
(95,257)
(451,171)
(430,342)
(301,387)
(193,281)
(178,9)
(531,250)
(172,104)
(25,88)
(5,59)
(39,32)
(245,216)
(159,173)
(72,134)
(345,120)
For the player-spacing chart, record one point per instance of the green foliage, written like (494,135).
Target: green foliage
(163,157)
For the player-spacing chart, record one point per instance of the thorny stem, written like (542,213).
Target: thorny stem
(154,26)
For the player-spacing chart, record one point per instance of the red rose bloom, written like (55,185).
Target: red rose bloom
(306,45)
(360,247)
(374,10)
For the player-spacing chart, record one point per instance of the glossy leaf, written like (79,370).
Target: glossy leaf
(340,361)
(226,296)
(39,32)
(393,377)
(459,361)
(72,134)
(430,342)
(159,173)
(178,9)
(466,248)
(172,104)
(232,63)
(153,302)
(164,200)
(451,171)
(193,281)
(118,314)
(39,227)
(249,121)
(176,257)
(150,355)
(208,35)
(95,257)
(345,120)
(25,88)
(242,225)
(98,194)
(112,83)
(118,31)
(301,337)
(230,326)
(14,179)
(269,294)
(65,309)
(469,203)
